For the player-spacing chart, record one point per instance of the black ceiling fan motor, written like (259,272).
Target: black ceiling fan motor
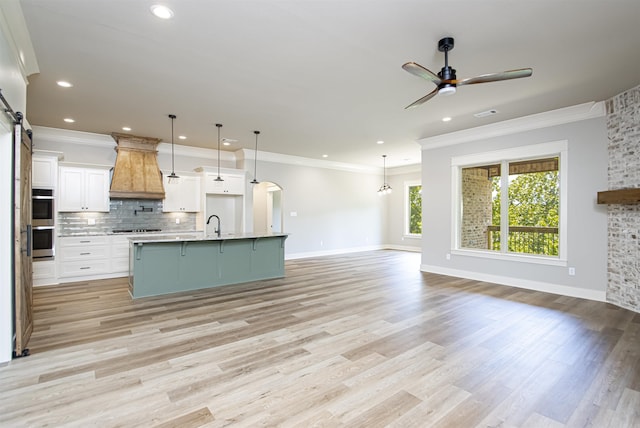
(446,73)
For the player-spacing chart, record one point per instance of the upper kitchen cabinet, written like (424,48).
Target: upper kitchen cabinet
(181,194)
(44,172)
(232,184)
(83,189)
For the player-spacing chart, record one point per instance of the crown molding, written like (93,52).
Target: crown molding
(247,154)
(14,26)
(57,135)
(547,119)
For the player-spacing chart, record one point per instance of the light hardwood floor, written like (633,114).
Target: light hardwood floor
(362,339)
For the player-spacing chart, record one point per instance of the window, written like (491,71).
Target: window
(511,203)
(413,208)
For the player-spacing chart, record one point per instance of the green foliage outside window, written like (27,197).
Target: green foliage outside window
(534,201)
(415,210)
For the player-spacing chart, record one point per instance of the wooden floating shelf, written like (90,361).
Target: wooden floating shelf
(622,196)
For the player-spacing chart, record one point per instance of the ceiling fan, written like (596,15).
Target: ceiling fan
(446,80)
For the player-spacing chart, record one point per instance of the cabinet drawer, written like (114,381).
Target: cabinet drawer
(82,268)
(70,241)
(83,253)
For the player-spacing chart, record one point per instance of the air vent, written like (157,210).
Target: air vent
(486,113)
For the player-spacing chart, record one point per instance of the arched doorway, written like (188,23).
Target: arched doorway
(267,208)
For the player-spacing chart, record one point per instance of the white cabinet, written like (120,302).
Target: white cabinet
(232,184)
(181,194)
(44,272)
(44,172)
(83,189)
(119,254)
(83,256)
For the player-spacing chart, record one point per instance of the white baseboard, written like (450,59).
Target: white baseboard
(403,248)
(563,290)
(293,256)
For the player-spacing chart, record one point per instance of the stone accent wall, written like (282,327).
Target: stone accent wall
(623,265)
(476,207)
(122,215)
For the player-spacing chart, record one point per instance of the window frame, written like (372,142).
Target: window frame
(407,209)
(550,149)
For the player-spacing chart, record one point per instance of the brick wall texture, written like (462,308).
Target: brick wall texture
(623,264)
(476,207)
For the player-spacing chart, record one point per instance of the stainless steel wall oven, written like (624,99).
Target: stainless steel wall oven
(43,222)
(43,207)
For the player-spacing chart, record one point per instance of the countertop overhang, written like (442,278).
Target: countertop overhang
(201,237)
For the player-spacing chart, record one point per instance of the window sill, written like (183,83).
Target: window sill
(412,236)
(520,258)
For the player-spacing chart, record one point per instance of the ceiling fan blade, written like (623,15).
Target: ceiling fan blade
(420,71)
(424,99)
(495,77)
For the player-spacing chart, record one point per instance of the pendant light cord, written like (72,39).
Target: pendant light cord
(219,125)
(255,160)
(173,170)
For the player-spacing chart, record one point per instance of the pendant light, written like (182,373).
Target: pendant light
(255,160)
(173,172)
(219,125)
(385,188)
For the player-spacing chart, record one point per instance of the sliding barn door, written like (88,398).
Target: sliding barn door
(23,292)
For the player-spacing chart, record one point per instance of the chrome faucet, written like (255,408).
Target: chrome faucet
(216,231)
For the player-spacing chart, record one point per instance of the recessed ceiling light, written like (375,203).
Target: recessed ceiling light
(380,142)
(226,143)
(446,119)
(64,84)
(325,156)
(182,137)
(162,12)
(68,120)
(126,128)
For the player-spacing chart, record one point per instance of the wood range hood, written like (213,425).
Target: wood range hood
(136,174)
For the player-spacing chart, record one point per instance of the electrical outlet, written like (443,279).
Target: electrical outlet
(448,256)
(572,271)
(321,243)
(91,221)
(178,220)
(293,214)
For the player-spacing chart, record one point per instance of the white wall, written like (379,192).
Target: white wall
(333,210)
(587,221)
(395,203)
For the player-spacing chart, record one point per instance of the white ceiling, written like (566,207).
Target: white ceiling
(319,76)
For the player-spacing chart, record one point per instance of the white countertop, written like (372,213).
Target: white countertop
(168,237)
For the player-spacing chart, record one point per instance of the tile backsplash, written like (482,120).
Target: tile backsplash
(124,214)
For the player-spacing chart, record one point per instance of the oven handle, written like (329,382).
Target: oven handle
(42,197)
(43,227)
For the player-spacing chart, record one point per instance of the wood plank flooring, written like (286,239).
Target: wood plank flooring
(357,340)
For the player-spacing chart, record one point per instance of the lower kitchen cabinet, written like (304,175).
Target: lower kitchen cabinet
(119,246)
(83,256)
(44,272)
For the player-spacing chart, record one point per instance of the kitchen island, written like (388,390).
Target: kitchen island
(165,264)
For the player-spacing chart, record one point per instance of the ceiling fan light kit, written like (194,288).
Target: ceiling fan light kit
(446,80)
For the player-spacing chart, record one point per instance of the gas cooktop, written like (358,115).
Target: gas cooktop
(135,230)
